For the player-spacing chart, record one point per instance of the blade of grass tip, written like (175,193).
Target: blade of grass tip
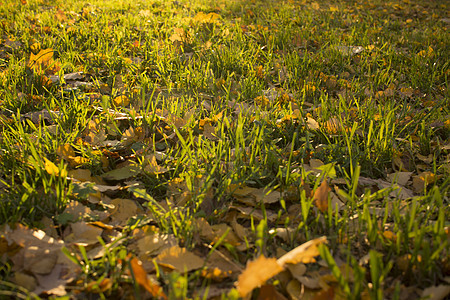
(326,255)
(71,256)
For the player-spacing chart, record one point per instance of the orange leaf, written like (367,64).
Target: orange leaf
(256,273)
(42,61)
(304,253)
(325,294)
(321,196)
(141,278)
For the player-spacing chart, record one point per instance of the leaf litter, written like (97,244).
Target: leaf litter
(126,187)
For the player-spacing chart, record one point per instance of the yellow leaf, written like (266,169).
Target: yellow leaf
(315,5)
(201,17)
(75,161)
(121,100)
(333,8)
(333,125)
(304,253)
(43,61)
(262,101)
(65,151)
(256,274)
(52,169)
(179,35)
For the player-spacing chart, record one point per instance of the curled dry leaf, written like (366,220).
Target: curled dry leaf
(141,278)
(260,270)
(321,196)
(304,253)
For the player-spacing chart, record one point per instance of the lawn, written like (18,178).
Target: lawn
(224,149)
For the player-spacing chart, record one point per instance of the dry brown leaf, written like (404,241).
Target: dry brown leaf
(122,173)
(304,253)
(294,290)
(320,198)
(269,292)
(255,213)
(82,175)
(209,132)
(54,282)
(266,196)
(224,263)
(179,259)
(39,260)
(257,273)
(296,270)
(315,163)
(401,178)
(220,230)
(123,210)
(309,282)
(152,166)
(83,234)
(325,294)
(438,292)
(141,278)
(422,180)
(24,280)
(155,243)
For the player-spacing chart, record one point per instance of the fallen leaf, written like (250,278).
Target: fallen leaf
(54,282)
(83,234)
(155,243)
(122,173)
(294,290)
(123,210)
(141,278)
(304,253)
(201,17)
(24,280)
(438,292)
(179,259)
(43,61)
(422,180)
(401,178)
(82,175)
(257,273)
(315,163)
(269,292)
(312,124)
(65,151)
(320,198)
(53,169)
(296,270)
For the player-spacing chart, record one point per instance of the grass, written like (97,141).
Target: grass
(179,106)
